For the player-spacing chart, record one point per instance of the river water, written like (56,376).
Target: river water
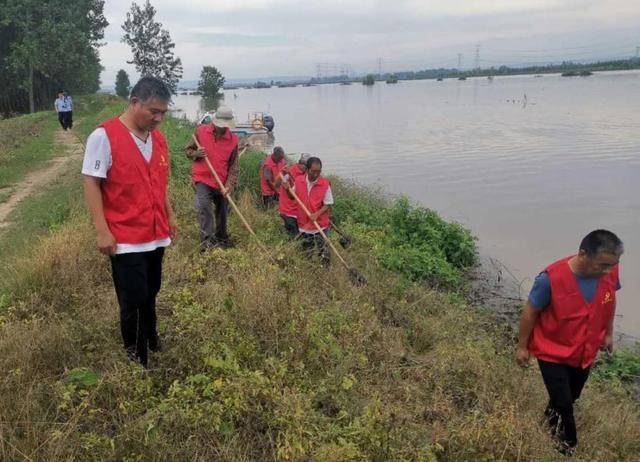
(530,175)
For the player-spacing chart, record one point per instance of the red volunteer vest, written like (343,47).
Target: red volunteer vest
(275,170)
(218,151)
(134,192)
(313,201)
(570,330)
(286,205)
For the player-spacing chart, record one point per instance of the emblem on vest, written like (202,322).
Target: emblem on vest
(607,297)
(163,161)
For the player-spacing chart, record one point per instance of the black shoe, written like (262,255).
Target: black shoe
(210,243)
(565,449)
(131,353)
(226,243)
(154,345)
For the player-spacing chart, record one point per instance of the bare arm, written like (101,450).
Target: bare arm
(93,199)
(608,338)
(232,175)
(173,226)
(528,320)
(323,209)
(268,177)
(192,151)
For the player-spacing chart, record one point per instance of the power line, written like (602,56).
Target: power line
(562,49)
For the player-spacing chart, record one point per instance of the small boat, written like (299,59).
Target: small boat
(258,123)
(392,79)
(462,78)
(439,79)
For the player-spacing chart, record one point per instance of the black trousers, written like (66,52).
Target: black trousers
(270,201)
(69,119)
(137,278)
(65,119)
(564,385)
(62,119)
(290,225)
(315,241)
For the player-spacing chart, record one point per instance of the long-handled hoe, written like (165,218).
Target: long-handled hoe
(225,192)
(354,275)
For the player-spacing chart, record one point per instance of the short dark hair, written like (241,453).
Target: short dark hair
(313,160)
(601,240)
(278,150)
(150,87)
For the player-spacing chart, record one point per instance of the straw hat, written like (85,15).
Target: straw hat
(304,157)
(224,118)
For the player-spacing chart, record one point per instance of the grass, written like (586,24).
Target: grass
(26,143)
(41,214)
(269,357)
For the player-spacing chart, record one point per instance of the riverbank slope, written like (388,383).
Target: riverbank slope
(272,357)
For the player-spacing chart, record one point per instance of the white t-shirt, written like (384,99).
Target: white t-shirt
(97,162)
(327,200)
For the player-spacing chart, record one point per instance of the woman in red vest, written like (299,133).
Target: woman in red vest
(314,191)
(125,168)
(221,147)
(568,317)
(269,172)
(287,206)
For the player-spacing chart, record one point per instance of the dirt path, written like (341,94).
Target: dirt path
(71,149)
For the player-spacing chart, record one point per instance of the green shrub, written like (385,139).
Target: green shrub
(622,365)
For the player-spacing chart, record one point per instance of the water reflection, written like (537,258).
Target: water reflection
(210,104)
(529,175)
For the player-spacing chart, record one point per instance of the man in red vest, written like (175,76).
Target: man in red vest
(568,317)
(269,172)
(220,146)
(314,191)
(125,168)
(287,206)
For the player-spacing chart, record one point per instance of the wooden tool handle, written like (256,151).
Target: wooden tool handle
(318,227)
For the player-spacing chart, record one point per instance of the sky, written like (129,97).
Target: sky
(249,39)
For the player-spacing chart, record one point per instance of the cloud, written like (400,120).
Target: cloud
(246,38)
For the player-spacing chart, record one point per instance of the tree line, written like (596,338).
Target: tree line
(45,46)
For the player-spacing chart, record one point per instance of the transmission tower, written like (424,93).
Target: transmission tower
(379,67)
(637,52)
(477,63)
(322,70)
(459,61)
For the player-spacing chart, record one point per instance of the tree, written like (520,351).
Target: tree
(151,46)
(123,86)
(211,82)
(50,46)
(369,80)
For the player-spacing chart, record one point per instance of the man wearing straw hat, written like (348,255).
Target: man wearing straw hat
(220,146)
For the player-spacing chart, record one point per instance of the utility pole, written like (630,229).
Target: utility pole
(459,61)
